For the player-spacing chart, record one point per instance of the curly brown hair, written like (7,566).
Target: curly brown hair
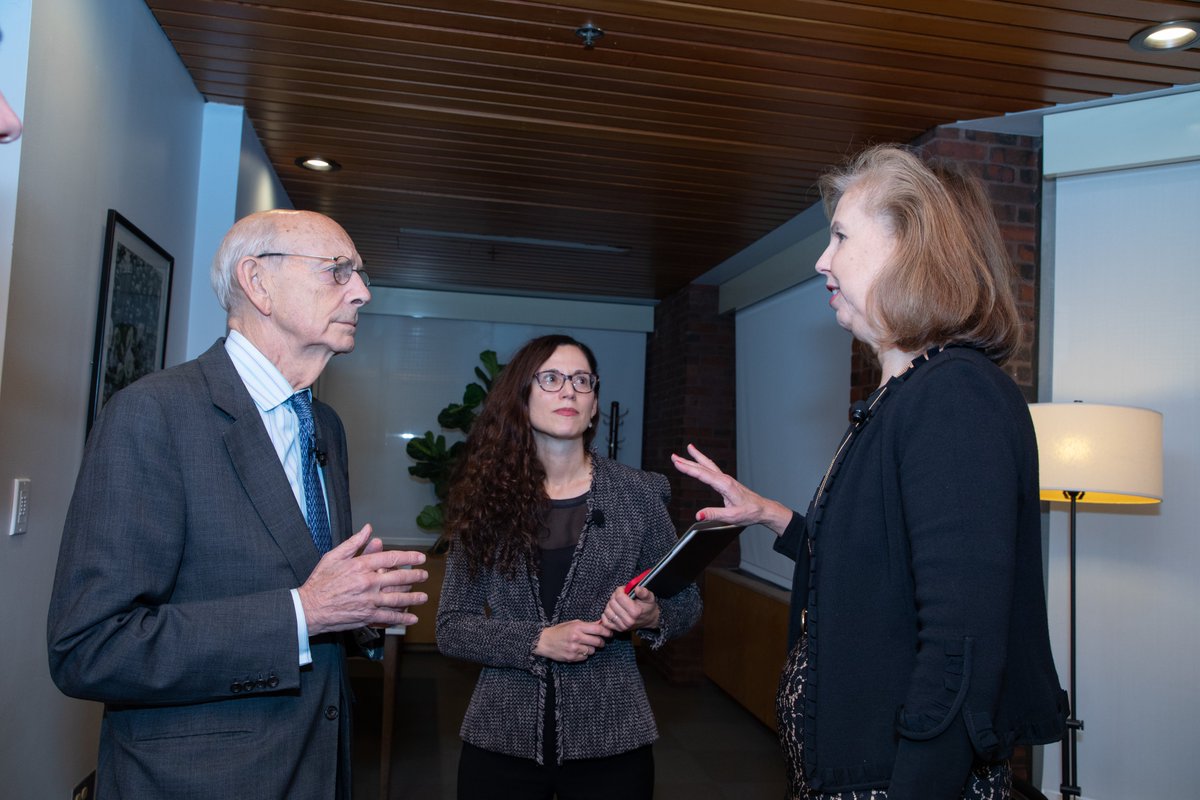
(498,496)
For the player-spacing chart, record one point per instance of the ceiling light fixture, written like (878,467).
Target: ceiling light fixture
(525,240)
(318,164)
(590,34)
(1178,35)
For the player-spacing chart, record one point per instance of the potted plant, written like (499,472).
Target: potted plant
(435,460)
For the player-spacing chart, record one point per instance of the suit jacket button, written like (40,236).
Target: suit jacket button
(331,712)
(236,687)
(272,681)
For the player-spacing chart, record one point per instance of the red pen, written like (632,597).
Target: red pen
(629,587)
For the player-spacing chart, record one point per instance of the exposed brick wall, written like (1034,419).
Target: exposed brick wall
(689,393)
(864,372)
(1010,168)
(689,399)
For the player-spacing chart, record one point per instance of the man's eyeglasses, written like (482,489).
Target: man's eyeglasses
(342,267)
(551,380)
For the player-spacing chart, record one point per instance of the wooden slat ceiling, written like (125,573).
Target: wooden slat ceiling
(690,130)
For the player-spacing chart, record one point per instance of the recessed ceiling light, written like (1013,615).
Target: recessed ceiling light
(1178,35)
(318,164)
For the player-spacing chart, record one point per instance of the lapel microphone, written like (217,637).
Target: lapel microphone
(318,448)
(858,412)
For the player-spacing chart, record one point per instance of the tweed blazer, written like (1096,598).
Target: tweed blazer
(171,603)
(495,620)
(920,568)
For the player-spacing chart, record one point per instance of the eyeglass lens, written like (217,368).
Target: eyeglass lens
(552,381)
(343,268)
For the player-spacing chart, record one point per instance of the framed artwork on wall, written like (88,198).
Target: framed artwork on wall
(131,324)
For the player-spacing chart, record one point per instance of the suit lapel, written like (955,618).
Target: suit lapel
(257,466)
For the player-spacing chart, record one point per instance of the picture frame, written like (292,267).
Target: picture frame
(131,323)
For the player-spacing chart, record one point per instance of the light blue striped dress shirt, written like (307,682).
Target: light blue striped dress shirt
(270,392)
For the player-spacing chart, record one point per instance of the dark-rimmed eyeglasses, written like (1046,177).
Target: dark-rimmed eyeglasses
(342,267)
(551,380)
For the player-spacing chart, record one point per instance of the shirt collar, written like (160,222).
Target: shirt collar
(265,383)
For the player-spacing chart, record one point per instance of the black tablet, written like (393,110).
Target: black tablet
(696,548)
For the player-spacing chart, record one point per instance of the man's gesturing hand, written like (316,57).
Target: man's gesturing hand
(349,589)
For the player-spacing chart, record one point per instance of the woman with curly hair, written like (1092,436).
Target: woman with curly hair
(544,533)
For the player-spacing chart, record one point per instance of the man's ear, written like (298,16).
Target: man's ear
(252,279)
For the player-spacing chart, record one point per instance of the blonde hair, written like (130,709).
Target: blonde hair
(950,278)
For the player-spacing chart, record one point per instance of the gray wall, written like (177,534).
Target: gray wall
(1126,287)
(106,127)
(112,121)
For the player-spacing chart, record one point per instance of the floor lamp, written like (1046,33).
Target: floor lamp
(1090,453)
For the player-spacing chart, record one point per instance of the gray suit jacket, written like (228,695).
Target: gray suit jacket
(171,601)
(492,619)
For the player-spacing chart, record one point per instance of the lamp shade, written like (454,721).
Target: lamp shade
(1112,454)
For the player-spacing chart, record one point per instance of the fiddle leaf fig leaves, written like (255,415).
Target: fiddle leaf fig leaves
(434,459)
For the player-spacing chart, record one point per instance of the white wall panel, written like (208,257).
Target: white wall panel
(1127,290)
(404,370)
(1134,133)
(793,374)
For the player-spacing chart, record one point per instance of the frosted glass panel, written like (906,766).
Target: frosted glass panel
(405,370)
(793,378)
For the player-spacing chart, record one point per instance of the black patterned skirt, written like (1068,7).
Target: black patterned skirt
(986,782)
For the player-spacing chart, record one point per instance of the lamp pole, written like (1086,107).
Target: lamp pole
(1070,760)
(1107,454)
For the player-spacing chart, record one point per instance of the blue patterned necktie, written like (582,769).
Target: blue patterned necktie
(314,497)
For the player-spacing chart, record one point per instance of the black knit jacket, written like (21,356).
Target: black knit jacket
(921,570)
(495,620)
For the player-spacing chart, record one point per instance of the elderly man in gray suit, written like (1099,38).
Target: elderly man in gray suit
(208,577)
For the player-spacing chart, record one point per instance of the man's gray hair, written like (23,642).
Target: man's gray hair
(249,236)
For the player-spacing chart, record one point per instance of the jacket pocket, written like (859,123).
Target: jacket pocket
(956,678)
